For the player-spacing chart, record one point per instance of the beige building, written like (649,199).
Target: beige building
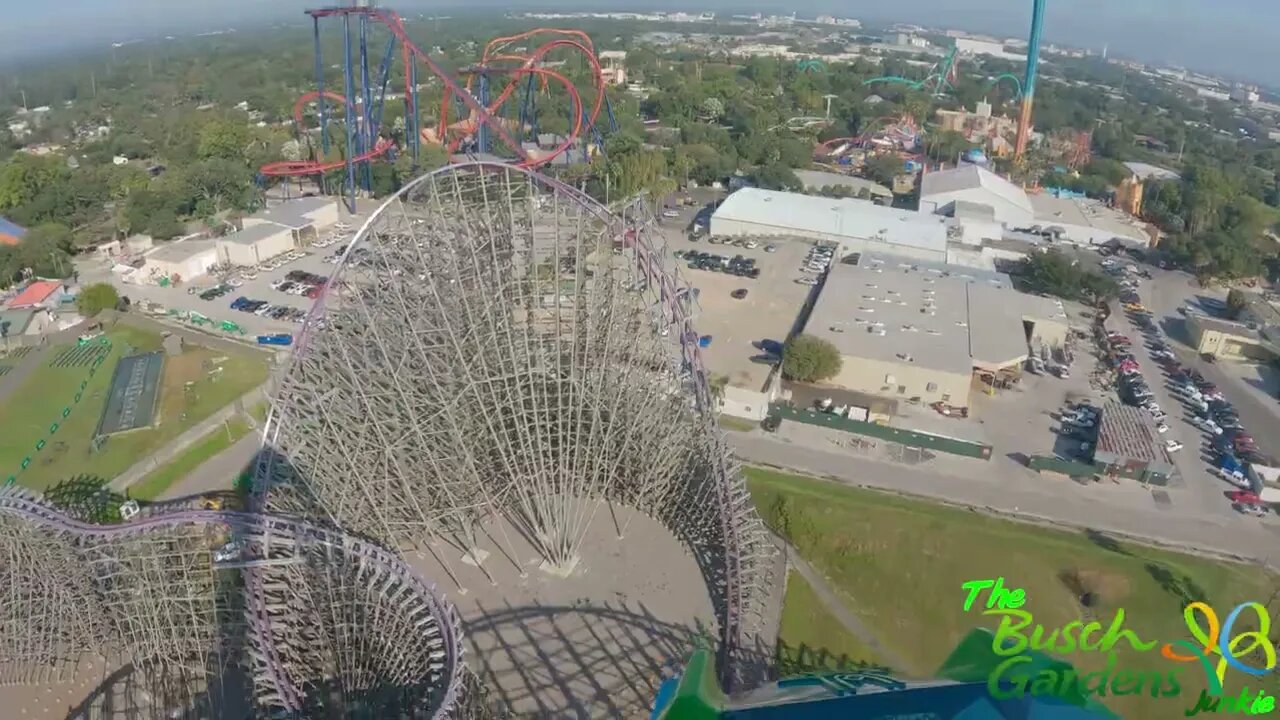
(920,331)
(1230,340)
(181,260)
(304,217)
(255,244)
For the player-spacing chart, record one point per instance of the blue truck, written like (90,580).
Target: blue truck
(282,339)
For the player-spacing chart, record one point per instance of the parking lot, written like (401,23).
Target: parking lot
(739,323)
(254,285)
(1199,415)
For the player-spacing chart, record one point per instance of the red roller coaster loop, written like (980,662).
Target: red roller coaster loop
(581,43)
(291,168)
(480,115)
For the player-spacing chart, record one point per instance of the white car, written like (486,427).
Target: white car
(670,214)
(1208,426)
(1162,428)
(807,281)
(1172,446)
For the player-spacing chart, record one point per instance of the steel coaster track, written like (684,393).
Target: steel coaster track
(258,528)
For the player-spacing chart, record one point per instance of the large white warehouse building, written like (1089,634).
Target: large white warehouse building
(856,225)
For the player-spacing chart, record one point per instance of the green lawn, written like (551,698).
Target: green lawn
(810,639)
(193,386)
(737,424)
(154,484)
(900,563)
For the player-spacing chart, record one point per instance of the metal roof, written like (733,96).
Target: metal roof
(252,234)
(35,293)
(1125,435)
(180,251)
(931,315)
(981,186)
(836,218)
(817,179)
(293,213)
(17,319)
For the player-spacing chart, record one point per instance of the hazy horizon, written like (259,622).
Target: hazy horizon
(1235,38)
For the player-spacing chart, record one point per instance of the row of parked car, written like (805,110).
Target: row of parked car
(1133,386)
(1230,446)
(736,265)
(1080,422)
(262,308)
(301,283)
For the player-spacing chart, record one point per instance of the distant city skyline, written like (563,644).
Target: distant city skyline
(1233,38)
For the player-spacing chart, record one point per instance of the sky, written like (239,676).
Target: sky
(1238,38)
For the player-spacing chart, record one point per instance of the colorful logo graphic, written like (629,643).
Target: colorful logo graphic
(1018,636)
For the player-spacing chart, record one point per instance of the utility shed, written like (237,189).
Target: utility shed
(1128,445)
(17,322)
(255,244)
(856,225)
(185,259)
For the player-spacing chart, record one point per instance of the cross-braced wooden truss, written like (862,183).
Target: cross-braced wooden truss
(181,603)
(495,344)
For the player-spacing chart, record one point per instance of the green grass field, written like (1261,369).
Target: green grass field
(899,565)
(192,388)
(810,639)
(153,485)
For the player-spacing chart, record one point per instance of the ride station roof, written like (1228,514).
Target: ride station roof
(34,294)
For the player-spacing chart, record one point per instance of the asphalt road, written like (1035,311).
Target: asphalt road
(1039,499)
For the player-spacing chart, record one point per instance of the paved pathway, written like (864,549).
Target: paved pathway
(834,605)
(1037,499)
(218,472)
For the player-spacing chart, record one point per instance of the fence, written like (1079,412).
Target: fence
(910,438)
(1058,465)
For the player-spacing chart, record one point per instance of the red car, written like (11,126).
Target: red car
(1244,496)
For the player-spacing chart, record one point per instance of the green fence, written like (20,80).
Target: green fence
(913,438)
(1058,465)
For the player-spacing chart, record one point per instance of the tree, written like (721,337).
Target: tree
(778,177)
(810,359)
(946,146)
(883,169)
(1237,301)
(1054,273)
(225,140)
(96,298)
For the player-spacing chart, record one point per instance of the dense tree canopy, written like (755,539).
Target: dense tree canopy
(96,298)
(1055,273)
(810,359)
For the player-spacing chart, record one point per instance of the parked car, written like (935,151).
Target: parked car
(1207,425)
(1172,446)
(1244,496)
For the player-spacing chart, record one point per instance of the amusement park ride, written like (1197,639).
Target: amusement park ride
(902,134)
(503,79)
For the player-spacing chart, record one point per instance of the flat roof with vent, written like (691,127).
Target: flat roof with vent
(936,316)
(886,311)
